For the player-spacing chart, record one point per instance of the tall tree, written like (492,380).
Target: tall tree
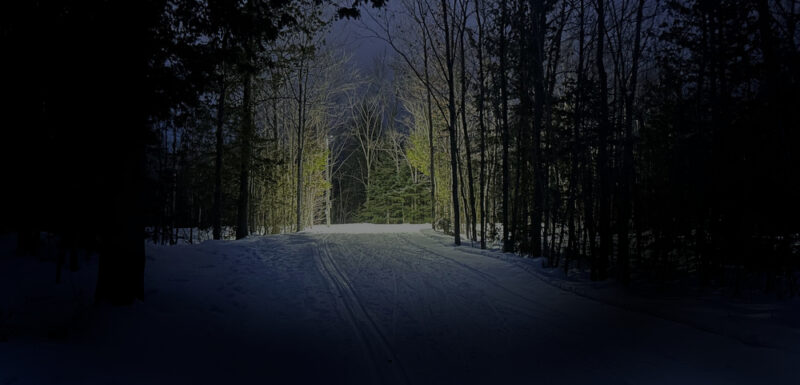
(451,124)
(479,44)
(467,146)
(600,261)
(626,180)
(538,29)
(429,108)
(245,143)
(503,44)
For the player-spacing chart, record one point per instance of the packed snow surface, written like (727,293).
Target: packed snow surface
(375,305)
(366,228)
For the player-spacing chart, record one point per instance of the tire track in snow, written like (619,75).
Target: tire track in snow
(385,364)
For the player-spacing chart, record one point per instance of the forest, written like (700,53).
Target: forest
(218,191)
(648,140)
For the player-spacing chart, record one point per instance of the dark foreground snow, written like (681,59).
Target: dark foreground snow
(367,304)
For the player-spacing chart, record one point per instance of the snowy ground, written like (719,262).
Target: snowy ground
(366,228)
(370,304)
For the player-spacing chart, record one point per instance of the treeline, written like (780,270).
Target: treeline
(375,179)
(159,114)
(651,141)
(647,140)
(320,143)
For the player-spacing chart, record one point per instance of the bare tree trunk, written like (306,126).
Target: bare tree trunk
(244,171)
(451,124)
(430,133)
(217,214)
(504,101)
(329,190)
(552,202)
(174,193)
(537,57)
(600,266)
(583,154)
(300,141)
(520,230)
(626,182)
(481,124)
(468,150)
(120,276)
(464,198)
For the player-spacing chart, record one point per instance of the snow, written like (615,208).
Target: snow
(366,228)
(757,320)
(391,304)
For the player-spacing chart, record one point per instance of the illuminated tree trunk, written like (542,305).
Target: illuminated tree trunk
(244,170)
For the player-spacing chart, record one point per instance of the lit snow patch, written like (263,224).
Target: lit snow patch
(366,228)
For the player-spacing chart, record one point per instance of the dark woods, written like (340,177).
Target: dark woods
(86,86)
(653,140)
(77,100)
(659,146)
(648,141)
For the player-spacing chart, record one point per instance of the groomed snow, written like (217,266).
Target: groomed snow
(366,228)
(363,305)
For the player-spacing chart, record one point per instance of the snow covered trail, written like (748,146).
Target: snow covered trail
(451,316)
(374,305)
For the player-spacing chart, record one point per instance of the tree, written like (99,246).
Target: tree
(600,261)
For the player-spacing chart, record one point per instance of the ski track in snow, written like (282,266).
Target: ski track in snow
(378,350)
(465,305)
(375,305)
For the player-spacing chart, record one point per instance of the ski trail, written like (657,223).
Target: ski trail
(418,275)
(518,261)
(483,276)
(387,368)
(513,301)
(407,282)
